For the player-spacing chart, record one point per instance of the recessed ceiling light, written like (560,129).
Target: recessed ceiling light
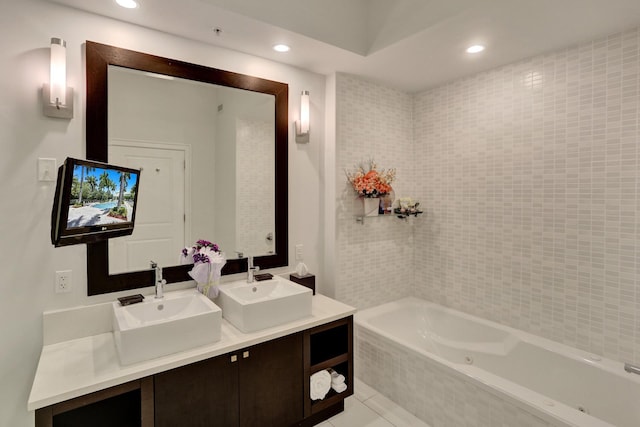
(129,4)
(476,48)
(281,48)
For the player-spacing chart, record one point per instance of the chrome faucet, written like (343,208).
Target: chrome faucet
(251,269)
(160,282)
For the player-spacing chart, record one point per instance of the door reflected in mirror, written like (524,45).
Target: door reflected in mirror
(207,154)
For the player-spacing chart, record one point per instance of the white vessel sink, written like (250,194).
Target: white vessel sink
(156,327)
(254,306)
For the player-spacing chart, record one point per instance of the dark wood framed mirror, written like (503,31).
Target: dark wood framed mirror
(98,59)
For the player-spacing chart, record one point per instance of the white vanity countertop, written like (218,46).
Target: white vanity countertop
(80,366)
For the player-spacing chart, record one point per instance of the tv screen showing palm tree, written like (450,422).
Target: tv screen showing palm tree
(100,196)
(93,202)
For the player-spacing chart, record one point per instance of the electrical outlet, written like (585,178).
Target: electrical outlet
(63,281)
(298,252)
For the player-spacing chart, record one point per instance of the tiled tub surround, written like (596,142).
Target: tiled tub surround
(374,261)
(530,175)
(79,354)
(450,368)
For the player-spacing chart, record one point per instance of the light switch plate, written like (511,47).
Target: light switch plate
(46,169)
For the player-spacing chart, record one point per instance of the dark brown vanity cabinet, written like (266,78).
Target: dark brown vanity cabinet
(201,394)
(256,386)
(264,385)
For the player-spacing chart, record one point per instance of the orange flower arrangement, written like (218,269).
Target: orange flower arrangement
(369,182)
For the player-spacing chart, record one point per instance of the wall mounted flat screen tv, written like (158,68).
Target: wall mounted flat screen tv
(93,202)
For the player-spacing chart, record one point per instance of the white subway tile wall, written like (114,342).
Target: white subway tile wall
(530,177)
(375,259)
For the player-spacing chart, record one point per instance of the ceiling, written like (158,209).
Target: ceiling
(411,45)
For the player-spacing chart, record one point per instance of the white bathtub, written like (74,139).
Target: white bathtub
(440,363)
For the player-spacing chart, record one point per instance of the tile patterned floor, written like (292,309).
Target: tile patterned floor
(368,408)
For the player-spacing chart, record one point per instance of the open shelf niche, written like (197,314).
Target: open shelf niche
(329,346)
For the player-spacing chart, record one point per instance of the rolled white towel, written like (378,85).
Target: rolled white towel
(336,378)
(339,387)
(320,384)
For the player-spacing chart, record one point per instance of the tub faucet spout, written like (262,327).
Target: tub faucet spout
(632,368)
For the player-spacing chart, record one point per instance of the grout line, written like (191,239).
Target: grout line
(364,402)
(395,405)
(379,414)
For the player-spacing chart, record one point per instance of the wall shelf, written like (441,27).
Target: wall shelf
(326,364)
(360,219)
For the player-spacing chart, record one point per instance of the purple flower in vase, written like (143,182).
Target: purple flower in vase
(199,257)
(206,244)
(207,265)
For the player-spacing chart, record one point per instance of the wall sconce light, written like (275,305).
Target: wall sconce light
(302,125)
(57,98)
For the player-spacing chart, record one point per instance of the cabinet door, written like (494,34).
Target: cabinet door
(271,383)
(201,394)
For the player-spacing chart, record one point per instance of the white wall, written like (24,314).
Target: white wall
(28,258)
